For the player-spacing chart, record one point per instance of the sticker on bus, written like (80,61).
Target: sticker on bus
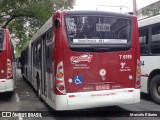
(99,41)
(78,79)
(124,67)
(81,66)
(84,57)
(103,87)
(102,27)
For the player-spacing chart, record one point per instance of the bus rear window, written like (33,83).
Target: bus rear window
(1,39)
(87,30)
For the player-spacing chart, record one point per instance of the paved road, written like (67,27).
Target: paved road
(25,99)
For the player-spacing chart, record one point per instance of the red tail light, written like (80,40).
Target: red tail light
(60,86)
(9,69)
(138,77)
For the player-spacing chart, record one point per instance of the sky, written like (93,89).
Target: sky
(125,5)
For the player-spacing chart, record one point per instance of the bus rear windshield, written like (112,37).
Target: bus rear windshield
(98,30)
(1,39)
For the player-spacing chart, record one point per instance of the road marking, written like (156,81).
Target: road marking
(17,98)
(27,93)
(20,118)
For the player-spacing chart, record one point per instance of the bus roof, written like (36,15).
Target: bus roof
(149,21)
(94,12)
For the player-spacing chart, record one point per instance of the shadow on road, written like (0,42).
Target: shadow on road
(113,111)
(6,96)
(146,97)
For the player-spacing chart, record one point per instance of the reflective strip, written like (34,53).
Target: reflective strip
(130,90)
(2,80)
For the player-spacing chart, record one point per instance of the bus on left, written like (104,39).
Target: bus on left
(7,62)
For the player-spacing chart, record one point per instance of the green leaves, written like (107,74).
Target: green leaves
(150,11)
(25,17)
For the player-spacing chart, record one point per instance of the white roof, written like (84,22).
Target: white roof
(149,21)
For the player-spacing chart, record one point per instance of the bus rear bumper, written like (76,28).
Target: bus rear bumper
(6,85)
(83,100)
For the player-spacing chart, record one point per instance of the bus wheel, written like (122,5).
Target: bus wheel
(155,89)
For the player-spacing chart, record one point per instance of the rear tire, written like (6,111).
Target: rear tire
(155,89)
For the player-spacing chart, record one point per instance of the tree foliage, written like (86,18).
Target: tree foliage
(150,11)
(25,17)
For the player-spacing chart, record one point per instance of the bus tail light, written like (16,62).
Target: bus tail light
(138,75)
(9,69)
(59,83)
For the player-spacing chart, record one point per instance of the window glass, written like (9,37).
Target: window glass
(143,39)
(155,39)
(50,36)
(1,39)
(12,48)
(98,29)
(34,55)
(143,36)
(39,53)
(156,34)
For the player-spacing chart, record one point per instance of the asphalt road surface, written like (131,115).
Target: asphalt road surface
(25,102)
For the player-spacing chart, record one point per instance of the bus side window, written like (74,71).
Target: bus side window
(143,39)
(1,39)
(36,46)
(50,36)
(49,50)
(39,53)
(155,41)
(12,50)
(34,55)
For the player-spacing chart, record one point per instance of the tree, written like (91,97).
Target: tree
(150,10)
(25,17)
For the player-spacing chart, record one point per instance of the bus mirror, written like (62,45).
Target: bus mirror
(57,23)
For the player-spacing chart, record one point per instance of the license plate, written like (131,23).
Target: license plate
(102,27)
(103,87)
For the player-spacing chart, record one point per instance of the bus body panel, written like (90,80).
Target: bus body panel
(6,85)
(150,50)
(3,55)
(144,84)
(7,66)
(2,85)
(10,85)
(86,70)
(147,68)
(3,61)
(82,100)
(102,98)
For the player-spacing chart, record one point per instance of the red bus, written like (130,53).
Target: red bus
(85,59)
(7,65)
